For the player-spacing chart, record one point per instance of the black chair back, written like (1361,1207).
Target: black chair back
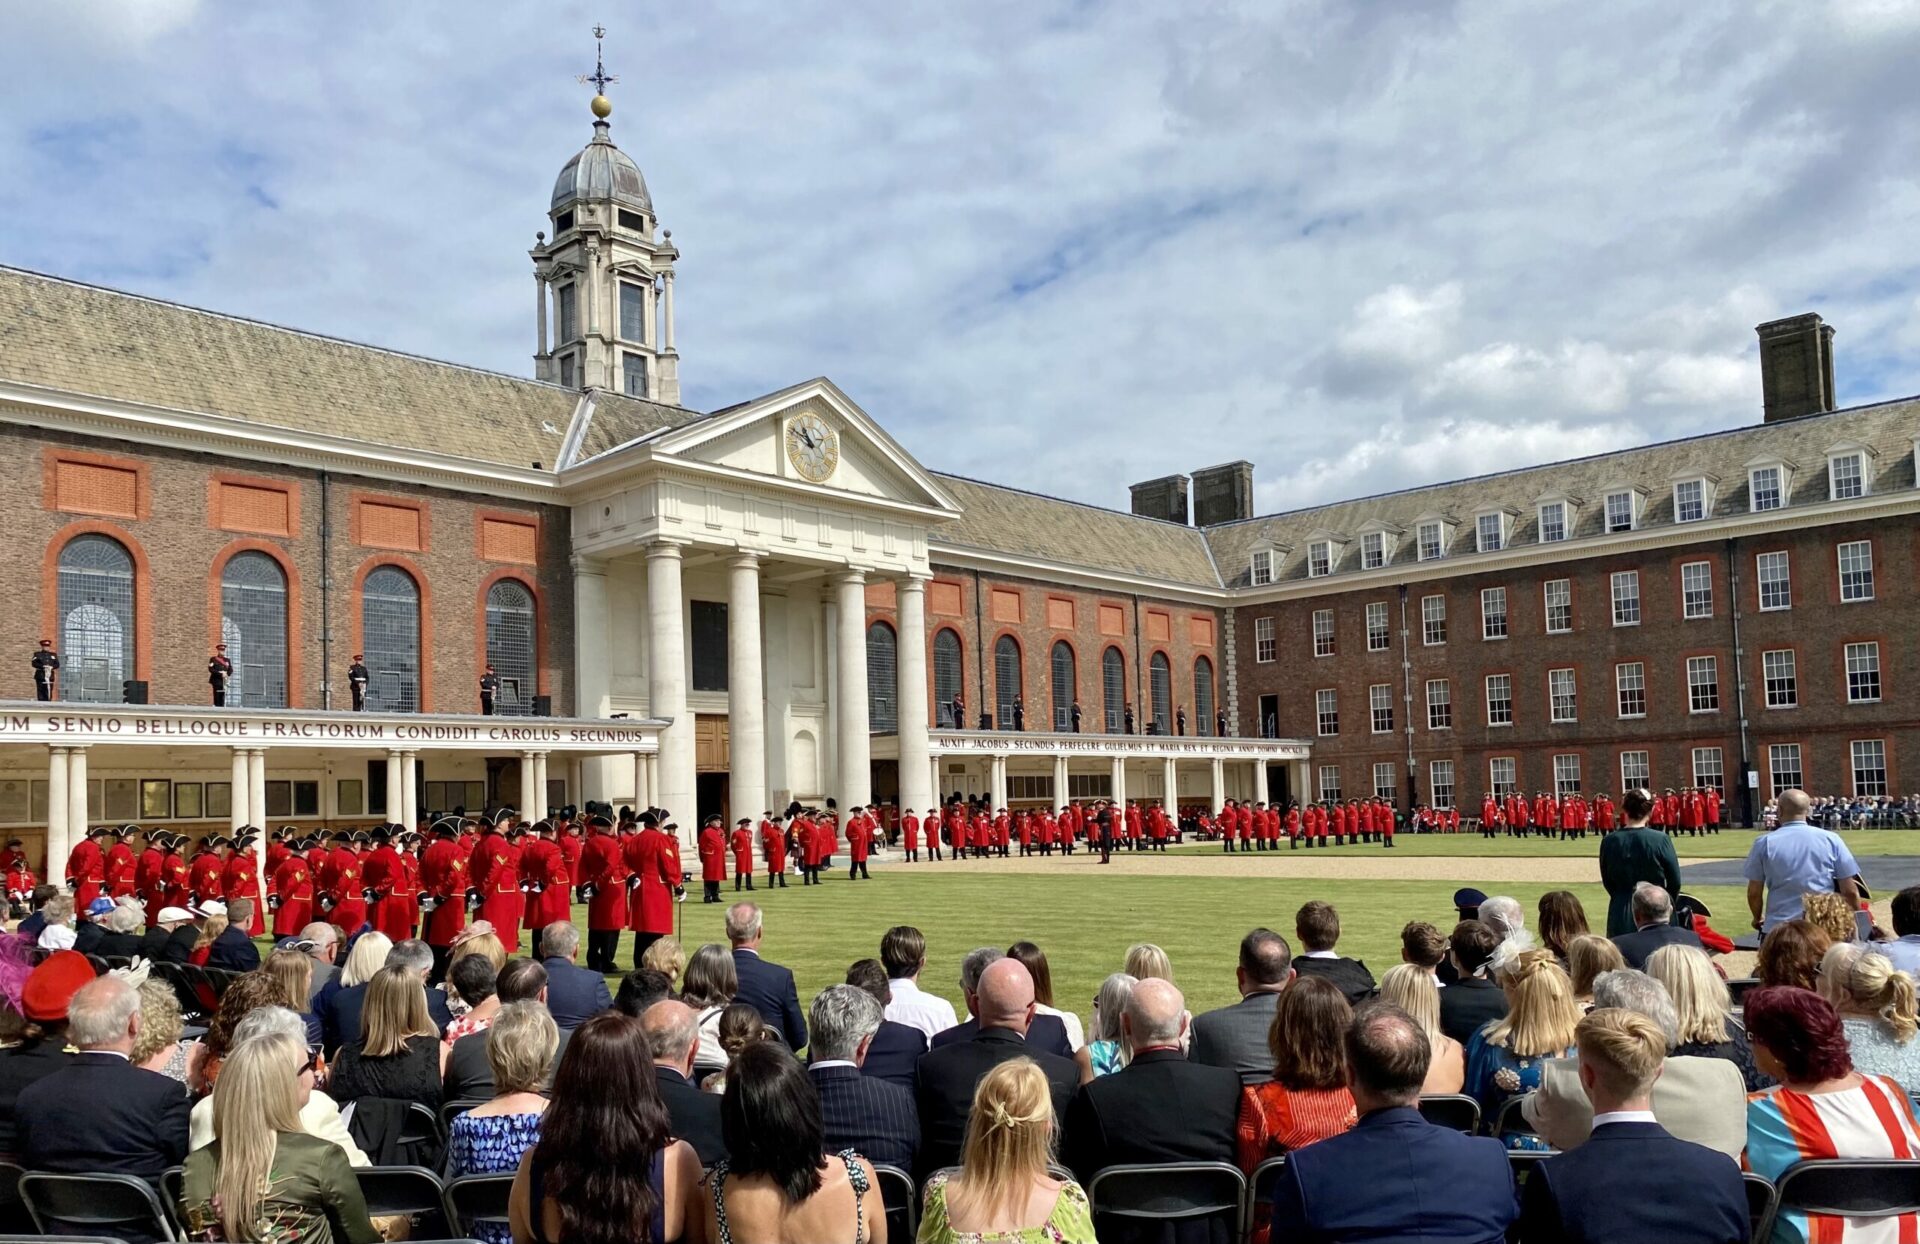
(1127,1197)
(11,1210)
(1845,1188)
(173,1188)
(117,1205)
(1511,1121)
(1741,987)
(451,1110)
(902,1200)
(392,1191)
(192,1007)
(1457,1111)
(1260,1195)
(1523,1161)
(1759,1199)
(478,1198)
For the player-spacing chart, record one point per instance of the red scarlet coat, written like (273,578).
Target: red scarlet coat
(382,873)
(443,874)
(86,865)
(572,847)
(146,882)
(650,857)
(495,869)
(241,879)
(603,866)
(206,875)
(859,839)
(292,883)
(741,842)
(713,854)
(117,872)
(1712,806)
(910,831)
(173,881)
(542,864)
(341,878)
(773,845)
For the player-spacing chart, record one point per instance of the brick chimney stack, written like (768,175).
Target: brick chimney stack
(1164,498)
(1796,367)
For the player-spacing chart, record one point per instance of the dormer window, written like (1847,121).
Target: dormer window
(1553,522)
(1766,488)
(1690,500)
(1262,570)
(1373,550)
(1319,559)
(566,305)
(1489,533)
(1847,471)
(1622,510)
(1433,541)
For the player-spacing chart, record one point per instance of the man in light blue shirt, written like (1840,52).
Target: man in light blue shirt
(1905,951)
(1795,860)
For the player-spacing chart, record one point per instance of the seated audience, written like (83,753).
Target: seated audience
(871,1116)
(1832,915)
(778,1181)
(1036,961)
(903,952)
(477,938)
(1790,955)
(1506,917)
(38,1045)
(245,995)
(158,1048)
(233,950)
(606,1169)
(339,1003)
(1146,961)
(1235,1037)
(766,987)
(323,947)
(120,932)
(739,1026)
(472,982)
(468,1071)
(1631,1179)
(57,924)
(1823,1107)
(211,918)
(1108,1048)
(896,1047)
(1505,1059)
(172,937)
(673,1036)
(1318,926)
(292,969)
(1904,949)
(1701,1100)
(1306,1100)
(1588,956)
(319,1115)
(416,956)
(397,1056)
(666,956)
(1562,919)
(491,1139)
(1653,926)
(1877,1012)
(36,920)
(574,994)
(1004,1189)
(262,1177)
(1395,1176)
(948,1075)
(1413,989)
(1423,945)
(640,990)
(1046,1033)
(1473,1000)
(1703,1010)
(90,926)
(99,1113)
(709,987)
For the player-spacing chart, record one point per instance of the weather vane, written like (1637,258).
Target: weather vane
(599,77)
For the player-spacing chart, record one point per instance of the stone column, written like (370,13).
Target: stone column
(1059,780)
(776,622)
(850,690)
(1120,782)
(1302,775)
(396,806)
(592,658)
(539,810)
(540,312)
(1260,780)
(409,789)
(653,781)
(666,337)
(1170,784)
(257,789)
(1219,779)
(526,787)
(829,691)
(76,801)
(590,288)
(746,697)
(667,685)
(912,702)
(237,798)
(639,782)
(997,781)
(57,845)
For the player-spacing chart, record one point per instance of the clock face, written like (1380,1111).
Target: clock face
(812,447)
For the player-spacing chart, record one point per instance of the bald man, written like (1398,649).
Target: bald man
(946,1077)
(673,1036)
(1159,1107)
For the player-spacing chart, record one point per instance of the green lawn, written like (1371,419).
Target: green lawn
(1727,844)
(1085,922)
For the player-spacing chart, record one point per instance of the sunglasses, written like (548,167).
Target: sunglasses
(312,1064)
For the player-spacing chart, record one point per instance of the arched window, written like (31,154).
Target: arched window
(1006,680)
(883,680)
(946,678)
(510,630)
(96,619)
(390,639)
(253,625)
(1062,685)
(1160,683)
(1113,686)
(1202,696)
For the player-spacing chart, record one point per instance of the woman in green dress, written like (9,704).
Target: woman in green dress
(1004,1191)
(264,1179)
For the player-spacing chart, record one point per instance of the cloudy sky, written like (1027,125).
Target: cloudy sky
(1060,246)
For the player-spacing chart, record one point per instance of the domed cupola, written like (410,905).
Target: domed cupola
(601,172)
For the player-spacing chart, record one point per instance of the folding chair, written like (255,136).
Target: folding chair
(1152,1192)
(1522,1161)
(1759,1200)
(175,974)
(1511,1120)
(392,1191)
(1457,1111)
(474,1199)
(1740,987)
(453,1109)
(1842,1187)
(902,1200)
(116,1205)
(11,1210)
(1260,1194)
(173,1187)
(421,1135)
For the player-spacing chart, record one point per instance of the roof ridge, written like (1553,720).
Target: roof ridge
(1562,462)
(1085,505)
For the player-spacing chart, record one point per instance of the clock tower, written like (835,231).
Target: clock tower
(604,281)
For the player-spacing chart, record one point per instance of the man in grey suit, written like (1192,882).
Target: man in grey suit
(1235,1037)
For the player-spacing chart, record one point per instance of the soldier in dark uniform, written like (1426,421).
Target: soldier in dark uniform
(1075,714)
(357,679)
(45,664)
(1180,721)
(959,708)
(489,689)
(1019,713)
(1127,717)
(1220,724)
(219,674)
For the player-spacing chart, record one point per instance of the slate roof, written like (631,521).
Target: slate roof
(1005,520)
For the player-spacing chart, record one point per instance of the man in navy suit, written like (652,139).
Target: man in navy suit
(766,987)
(861,1112)
(1395,1176)
(895,1049)
(1653,927)
(574,995)
(1046,1032)
(1631,1179)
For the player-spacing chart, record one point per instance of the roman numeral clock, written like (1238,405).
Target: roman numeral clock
(812,447)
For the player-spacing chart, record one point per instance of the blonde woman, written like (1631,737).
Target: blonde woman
(667,957)
(319,1116)
(369,955)
(1504,1059)
(477,938)
(337,1023)
(1589,955)
(1832,915)
(1003,1191)
(293,970)
(491,1139)
(1703,1008)
(157,1046)
(209,933)
(1106,1044)
(1146,961)
(399,1052)
(263,1178)
(1878,1010)
(1413,989)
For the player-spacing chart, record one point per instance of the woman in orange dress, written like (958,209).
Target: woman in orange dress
(1307,1099)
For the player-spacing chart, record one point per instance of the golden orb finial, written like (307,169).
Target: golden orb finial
(602,107)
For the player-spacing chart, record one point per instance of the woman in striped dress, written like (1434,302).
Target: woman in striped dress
(1822,1109)
(1307,1100)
